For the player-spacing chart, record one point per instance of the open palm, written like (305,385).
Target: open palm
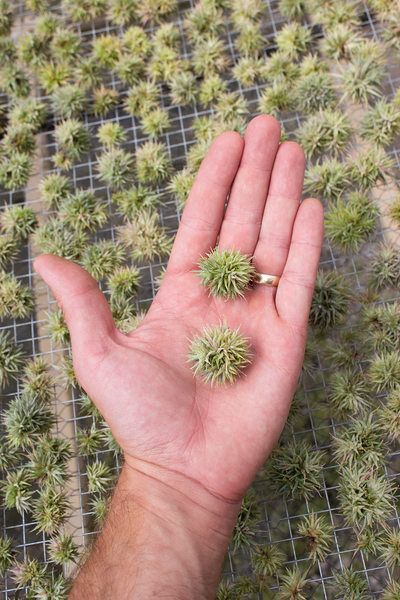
(161,415)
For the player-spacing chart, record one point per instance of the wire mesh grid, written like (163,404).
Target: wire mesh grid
(279,518)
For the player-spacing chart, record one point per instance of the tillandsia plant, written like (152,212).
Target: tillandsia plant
(16,300)
(328,130)
(314,92)
(129,69)
(332,14)
(124,283)
(48,461)
(293,9)
(225,273)
(344,352)
(293,40)
(381,325)
(53,75)
(394,211)
(250,40)
(248,70)
(350,393)
(53,237)
(7,554)
(6,17)
(47,24)
(111,134)
(14,81)
(62,549)
(230,105)
(73,140)
(84,211)
(106,50)
(168,35)
(267,560)
(132,200)
(384,371)
(350,585)
(243,535)
(99,476)
(141,98)
(276,98)
(88,440)
(220,354)
(26,419)
(32,50)
(180,185)
(56,328)
(389,415)
(144,237)
(292,585)
(155,10)
(29,570)
(381,124)
(89,409)
(100,505)
(50,510)
(66,376)
(104,100)
(369,166)
(9,455)
(340,42)
(211,88)
(246,10)
(327,179)
(116,168)
(18,220)
(137,41)
(15,170)
(103,258)
(384,268)
(204,19)
(54,189)
(279,68)
(10,358)
(155,122)
(16,490)
(87,73)
(391,551)
(392,591)
(183,88)
(164,64)
(19,138)
(9,250)
(369,541)
(330,300)
(361,78)
(122,12)
(294,471)
(85,10)
(69,101)
(360,444)
(208,57)
(153,163)
(319,536)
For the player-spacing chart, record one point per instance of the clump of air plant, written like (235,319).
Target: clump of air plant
(142,98)
(26,419)
(16,490)
(330,300)
(104,100)
(18,220)
(226,591)
(144,237)
(87,73)
(197,153)
(38,6)
(246,10)
(84,211)
(48,461)
(203,128)
(183,88)
(9,455)
(66,376)
(293,40)
(332,14)
(29,570)
(384,268)
(167,36)
(155,122)
(50,510)
(124,283)
(312,63)
(106,50)
(343,352)
(366,497)
(369,541)
(381,326)
(292,9)
(116,167)
(9,249)
(19,138)
(292,585)
(53,237)
(62,549)
(155,10)
(350,225)
(7,554)
(340,42)
(134,199)
(389,415)
(219,354)
(180,185)
(37,381)
(100,506)
(314,92)
(276,98)
(54,75)
(103,258)
(129,68)
(248,517)
(56,328)
(15,82)
(15,170)
(88,408)
(349,585)
(230,105)
(327,179)
(328,130)
(85,10)
(250,40)
(394,211)
(110,441)
(349,393)
(391,551)
(54,189)
(88,440)
(73,140)
(392,591)
(279,68)
(164,64)
(122,12)
(360,444)
(381,124)
(99,476)
(16,300)
(369,166)
(249,69)
(32,50)
(111,134)
(137,41)
(124,314)
(8,51)
(225,273)
(28,112)
(318,534)
(267,560)
(46,25)
(295,471)
(384,371)
(211,88)
(10,358)
(153,164)
(245,586)
(362,78)
(6,17)
(209,57)
(204,19)
(69,101)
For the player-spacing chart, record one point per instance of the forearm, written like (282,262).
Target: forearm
(165,537)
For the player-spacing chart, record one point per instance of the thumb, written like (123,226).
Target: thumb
(85,309)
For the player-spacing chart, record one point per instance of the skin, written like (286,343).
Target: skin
(192,450)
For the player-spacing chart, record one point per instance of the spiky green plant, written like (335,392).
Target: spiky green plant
(318,534)
(87,73)
(312,63)
(111,134)
(144,237)
(54,189)
(391,552)
(267,560)
(281,69)
(167,35)
(10,358)
(330,300)
(394,211)
(47,24)
(30,112)
(53,237)
(226,591)
(32,50)
(19,138)
(219,354)
(69,101)
(314,92)
(197,153)
(362,77)
(7,554)
(14,81)
(335,13)
(16,490)
(9,455)
(389,415)
(153,164)
(16,300)
(225,273)
(204,19)
(295,471)
(29,570)
(122,12)
(384,371)
(245,586)
(350,225)
(365,497)
(293,9)
(85,10)
(208,57)
(48,461)
(292,585)
(6,17)
(8,51)
(249,69)
(72,139)
(276,98)
(131,323)
(327,179)
(211,88)
(56,328)
(15,170)
(37,381)
(369,541)
(110,441)
(230,105)
(88,408)
(99,476)
(103,258)
(54,75)
(84,211)
(132,200)
(106,50)
(349,393)
(141,98)
(328,130)
(250,40)
(381,124)
(164,64)
(349,585)
(183,88)
(50,510)
(155,122)
(124,283)
(103,100)
(369,166)
(392,591)
(18,220)
(62,549)
(204,128)
(38,6)
(26,419)
(116,168)
(137,41)
(129,68)
(340,42)
(243,535)
(9,250)
(180,185)
(246,10)
(384,268)
(88,439)
(360,444)
(155,10)
(293,40)
(100,506)
(381,326)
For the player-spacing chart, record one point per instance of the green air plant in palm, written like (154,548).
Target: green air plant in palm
(141,98)
(183,88)
(381,325)
(122,12)
(327,179)
(16,490)
(180,185)
(293,40)
(350,224)
(103,100)
(99,476)
(16,300)
(123,313)
(73,140)
(87,73)
(243,535)
(153,164)
(314,92)
(56,328)
(53,75)
(10,358)
(350,393)
(116,168)
(360,444)
(220,354)
(124,283)
(361,78)
(294,471)
(318,534)
(384,268)
(53,237)
(84,211)
(208,56)
(369,166)
(292,585)
(26,419)
(54,189)
(50,510)
(225,273)
(132,200)
(62,549)
(384,371)
(350,585)
(103,258)
(144,237)
(330,300)
(381,124)
(155,122)
(15,170)
(7,554)
(69,101)
(88,440)
(14,81)
(389,415)
(18,220)
(328,130)
(111,134)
